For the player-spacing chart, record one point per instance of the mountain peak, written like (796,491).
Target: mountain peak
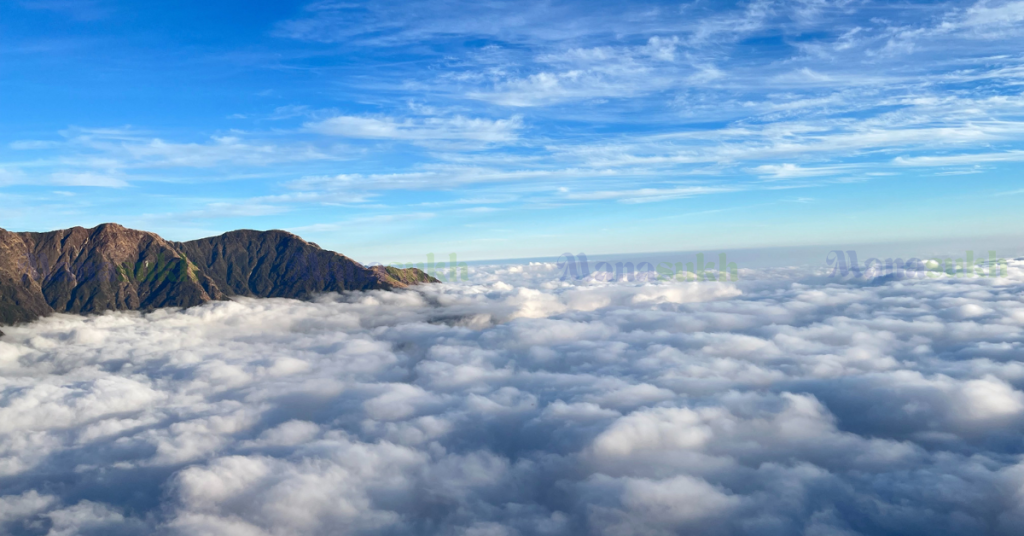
(254,233)
(111,267)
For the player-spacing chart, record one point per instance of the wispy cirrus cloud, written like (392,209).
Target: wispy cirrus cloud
(793,171)
(375,24)
(648,195)
(88,179)
(114,157)
(960,159)
(425,130)
(988,19)
(445,177)
(126,148)
(616,102)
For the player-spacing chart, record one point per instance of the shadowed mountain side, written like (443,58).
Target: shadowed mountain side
(113,268)
(276,264)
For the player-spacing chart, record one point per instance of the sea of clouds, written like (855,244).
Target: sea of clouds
(520,404)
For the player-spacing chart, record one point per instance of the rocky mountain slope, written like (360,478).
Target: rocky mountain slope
(113,268)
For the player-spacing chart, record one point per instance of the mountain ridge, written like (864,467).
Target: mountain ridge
(113,268)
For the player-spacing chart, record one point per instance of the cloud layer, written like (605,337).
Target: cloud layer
(518,404)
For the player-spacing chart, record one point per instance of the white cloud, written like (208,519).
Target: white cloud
(518,403)
(551,87)
(431,129)
(117,150)
(989,18)
(960,159)
(88,179)
(30,145)
(12,176)
(646,195)
(440,177)
(793,171)
(646,93)
(155,153)
(116,158)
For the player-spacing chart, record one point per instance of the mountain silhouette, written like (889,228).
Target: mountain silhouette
(112,268)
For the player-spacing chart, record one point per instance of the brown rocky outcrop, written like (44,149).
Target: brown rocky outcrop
(111,268)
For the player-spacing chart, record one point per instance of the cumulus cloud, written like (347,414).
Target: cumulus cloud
(520,404)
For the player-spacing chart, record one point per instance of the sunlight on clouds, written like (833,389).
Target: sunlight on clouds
(521,404)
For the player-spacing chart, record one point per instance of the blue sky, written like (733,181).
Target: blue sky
(387,130)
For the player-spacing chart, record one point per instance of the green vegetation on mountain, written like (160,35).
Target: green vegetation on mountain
(111,268)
